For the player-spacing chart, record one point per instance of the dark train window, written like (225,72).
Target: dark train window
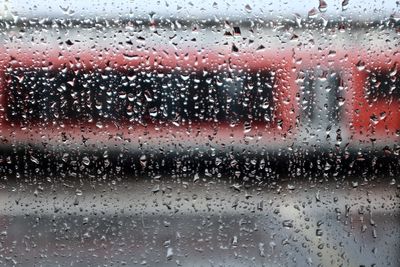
(40,96)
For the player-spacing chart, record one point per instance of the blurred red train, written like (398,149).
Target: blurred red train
(219,98)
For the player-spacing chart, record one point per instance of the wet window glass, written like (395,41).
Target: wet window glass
(199,133)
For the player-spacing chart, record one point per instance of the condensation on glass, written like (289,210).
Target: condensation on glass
(245,133)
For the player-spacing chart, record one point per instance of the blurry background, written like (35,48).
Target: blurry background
(204,133)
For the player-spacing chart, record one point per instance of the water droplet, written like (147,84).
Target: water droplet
(313,13)
(345,4)
(261,249)
(360,65)
(86,161)
(34,160)
(170,253)
(247,127)
(234,241)
(322,6)
(287,223)
(143,161)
